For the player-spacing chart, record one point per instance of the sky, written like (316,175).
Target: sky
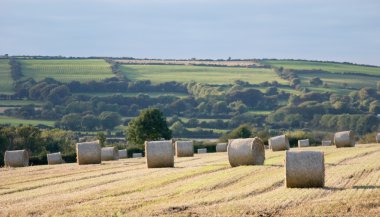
(335,30)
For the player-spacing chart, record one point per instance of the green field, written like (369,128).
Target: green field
(65,70)
(150,94)
(11,103)
(336,80)
(200,74)
(6,81)
(16,121)
(330,67)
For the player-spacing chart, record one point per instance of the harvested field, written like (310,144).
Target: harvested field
(204,185)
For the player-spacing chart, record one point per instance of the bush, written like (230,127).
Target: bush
(210,146)
(135,149)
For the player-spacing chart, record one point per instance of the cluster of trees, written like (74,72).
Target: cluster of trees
(36,141)
(90,122)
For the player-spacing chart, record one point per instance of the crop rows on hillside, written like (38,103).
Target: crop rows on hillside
(6,81)
(200,74)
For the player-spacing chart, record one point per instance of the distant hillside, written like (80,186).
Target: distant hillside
(201,98)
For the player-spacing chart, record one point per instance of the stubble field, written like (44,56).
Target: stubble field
(203,185)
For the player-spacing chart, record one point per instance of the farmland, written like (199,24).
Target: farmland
(6,81)
(204,185)
(201,74)
(17,121)
(325,66)
(150,94)
(336,81)
(65,70)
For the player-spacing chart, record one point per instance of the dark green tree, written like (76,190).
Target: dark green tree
(149,125)
(109,120)
(90,122)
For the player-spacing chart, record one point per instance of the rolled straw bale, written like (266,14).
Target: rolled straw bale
(184,148)
(202,150)
(326,142)
(123,153)
(221,147)
(89,153)
(159,154)
(303,143)
(378,138)
(54,158)
(250,151)
(17,158)
(110,153)
(279,143)
(344,139)
(136,155)
(304,169)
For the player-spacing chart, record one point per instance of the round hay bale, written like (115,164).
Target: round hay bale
(326,142)
(137,155)
(159,154)
(184,148)
(221,147)
(378,138)
(17,158)
(88,153)
(54,158)
(303,143)
(304,169)
(344,139)
(250,151)
(110,153)
(202,150)
(279,143)
(123,153)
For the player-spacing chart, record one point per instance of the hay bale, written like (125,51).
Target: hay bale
(279,143)
(184,148)
(202,150)
(159,154)
(326,142)
(110,153)
(250,151)
(88,153)
(17,158)
(137,155)
(378,138)
(54,158)
(304,169)
(123,153)
(303,143)
(344,139)
(221,147)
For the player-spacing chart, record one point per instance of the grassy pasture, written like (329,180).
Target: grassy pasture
(6,81)
(17,121)
(150,94)
(330,67)
(335,81)
(204,185)
(200,74)
(65,70)
(11,103)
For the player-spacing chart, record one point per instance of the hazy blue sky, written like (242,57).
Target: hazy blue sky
(340,30)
